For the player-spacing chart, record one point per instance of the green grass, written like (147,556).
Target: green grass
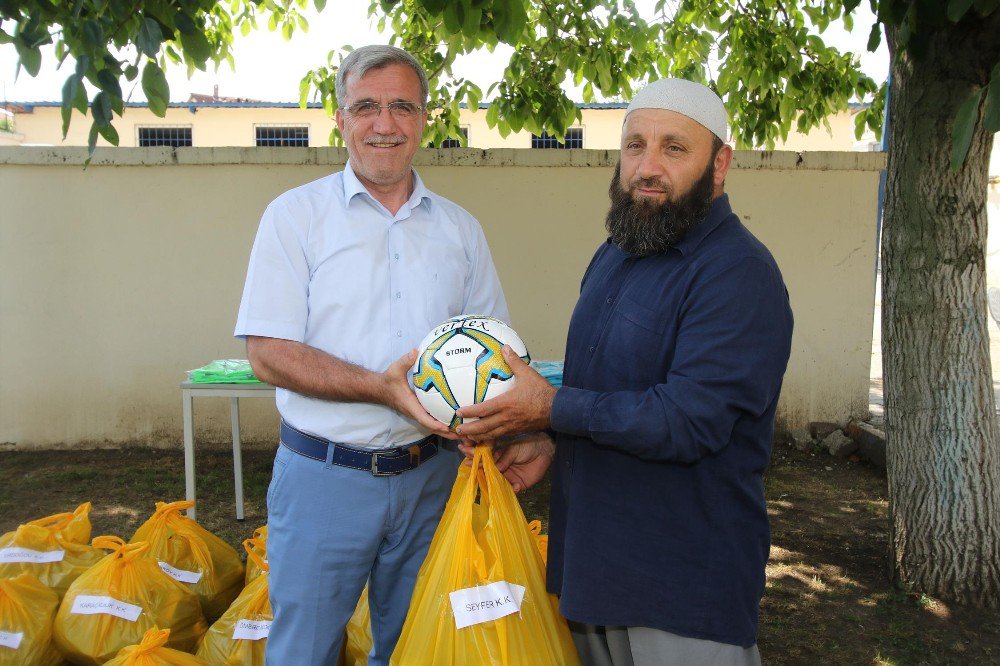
(827,598)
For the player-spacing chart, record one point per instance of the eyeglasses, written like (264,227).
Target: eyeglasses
(399,110)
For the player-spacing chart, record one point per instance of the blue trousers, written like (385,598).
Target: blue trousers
(332,529)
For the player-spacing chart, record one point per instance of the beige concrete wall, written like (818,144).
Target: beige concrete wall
(839,136)
(230,126)
(117,278)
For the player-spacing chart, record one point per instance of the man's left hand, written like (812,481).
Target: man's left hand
(525,408)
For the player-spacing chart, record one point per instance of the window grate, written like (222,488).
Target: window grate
(175,137)
(574,139)
(282,136)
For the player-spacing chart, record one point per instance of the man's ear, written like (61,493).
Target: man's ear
(723,160)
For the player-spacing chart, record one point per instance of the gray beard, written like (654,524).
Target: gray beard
(642,227)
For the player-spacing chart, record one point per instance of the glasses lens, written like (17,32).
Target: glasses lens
(403,109)
(364,109)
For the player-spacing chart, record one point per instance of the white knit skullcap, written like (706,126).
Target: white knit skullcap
(697,102)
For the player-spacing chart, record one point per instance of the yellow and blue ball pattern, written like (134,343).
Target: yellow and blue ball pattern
(460,363)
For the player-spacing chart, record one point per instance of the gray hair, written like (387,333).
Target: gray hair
(376,56)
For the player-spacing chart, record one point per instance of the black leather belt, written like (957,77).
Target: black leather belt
(387,462)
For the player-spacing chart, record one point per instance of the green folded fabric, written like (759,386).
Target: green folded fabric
(224,371)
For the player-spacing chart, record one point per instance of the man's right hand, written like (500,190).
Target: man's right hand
(398,394)
(523,461)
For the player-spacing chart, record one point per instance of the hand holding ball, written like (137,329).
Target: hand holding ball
(459,364)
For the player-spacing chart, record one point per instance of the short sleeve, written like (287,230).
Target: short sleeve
(275,296)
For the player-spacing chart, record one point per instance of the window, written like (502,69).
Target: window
(451,142)
(574,139)
(281,135)
(174,137)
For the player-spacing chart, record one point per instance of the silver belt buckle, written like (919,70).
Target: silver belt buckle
(375,471)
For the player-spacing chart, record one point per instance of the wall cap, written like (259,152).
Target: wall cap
(451,157)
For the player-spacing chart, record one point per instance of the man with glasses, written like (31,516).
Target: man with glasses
(346,275)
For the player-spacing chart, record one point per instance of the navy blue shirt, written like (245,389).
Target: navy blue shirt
(663,425)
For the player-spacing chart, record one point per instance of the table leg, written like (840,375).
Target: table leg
(234,408)
(186,402)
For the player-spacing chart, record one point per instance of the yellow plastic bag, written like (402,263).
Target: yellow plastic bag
(194,556)
(53,549)
(152,650)
(239,637)
(480,595)
(541,540)
(258,545)
(117,600)
(27,608)
(358,638)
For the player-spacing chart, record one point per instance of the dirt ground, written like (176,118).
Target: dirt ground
(827,598)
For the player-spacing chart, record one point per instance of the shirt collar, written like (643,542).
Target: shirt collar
(718,212)
(353,186)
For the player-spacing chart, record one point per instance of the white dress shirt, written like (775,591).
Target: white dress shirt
(331,267)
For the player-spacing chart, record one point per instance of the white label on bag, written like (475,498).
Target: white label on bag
(251,630)
(180,574)
(8,555)
(86,604)
(10,640)
(474,605)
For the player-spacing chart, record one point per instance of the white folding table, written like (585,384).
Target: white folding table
(191,390)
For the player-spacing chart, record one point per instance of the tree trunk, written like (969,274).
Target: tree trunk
(943,446)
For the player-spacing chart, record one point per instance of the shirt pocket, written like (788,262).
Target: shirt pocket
(635,345)
(636,314)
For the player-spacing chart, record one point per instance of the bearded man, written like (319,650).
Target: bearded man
(663,425)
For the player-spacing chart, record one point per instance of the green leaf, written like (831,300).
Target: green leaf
(185,24)
(473,96)
(875,37)
(453,15)
(82,65)
(93,36)
(304,86)
(991,113)
(80,102)
(957,9)
(470,23)
(319,4)
(509,20)
(68,96)
(149,38)
(965,124)
(436,7)
(91,141)
(30,59)
(492,113)
(155,87)
(109,133)
(108,82)
(100,108)
(196,47)
(5,38)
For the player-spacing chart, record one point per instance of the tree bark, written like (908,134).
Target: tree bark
(943,452)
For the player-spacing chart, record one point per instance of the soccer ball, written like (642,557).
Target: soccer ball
(460,364)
